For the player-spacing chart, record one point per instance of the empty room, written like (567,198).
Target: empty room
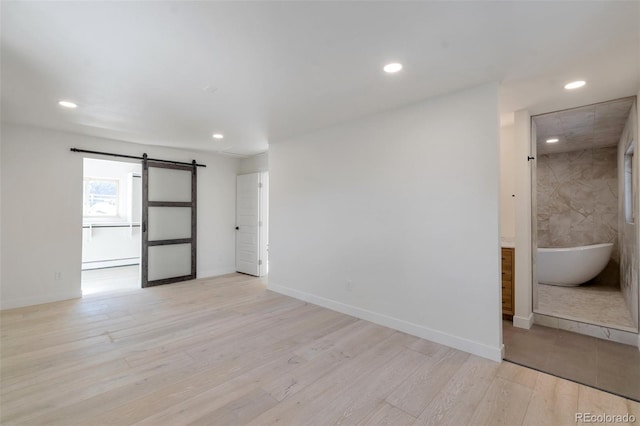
(311,212)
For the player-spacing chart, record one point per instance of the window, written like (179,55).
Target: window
(628,186)
(100,197)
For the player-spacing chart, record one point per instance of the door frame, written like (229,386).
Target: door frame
(263,231)
(263,223)
(523,315)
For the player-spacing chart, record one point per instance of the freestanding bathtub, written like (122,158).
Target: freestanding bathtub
(572,266)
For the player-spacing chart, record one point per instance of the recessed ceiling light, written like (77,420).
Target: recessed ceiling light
(218,136)
(67,104)
(575,84)
(552,140)
(393,67)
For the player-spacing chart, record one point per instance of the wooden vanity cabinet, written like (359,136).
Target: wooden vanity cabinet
(508,275)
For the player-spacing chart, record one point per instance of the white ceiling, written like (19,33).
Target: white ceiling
(172,73)
(592,126)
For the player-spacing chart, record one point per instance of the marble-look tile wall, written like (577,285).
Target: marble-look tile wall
(628,232)
(577,198)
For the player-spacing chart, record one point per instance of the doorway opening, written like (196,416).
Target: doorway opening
(585,302)
(111,226)
(578,216)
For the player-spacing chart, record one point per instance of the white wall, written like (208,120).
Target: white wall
(41,217)
(507,184)
(255,163)
(395,218)
(106,247)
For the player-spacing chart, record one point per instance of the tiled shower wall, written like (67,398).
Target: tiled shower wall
(577,197)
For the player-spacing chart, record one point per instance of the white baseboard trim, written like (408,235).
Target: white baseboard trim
(38,300)
(475,348)
(523,322)
(216,272)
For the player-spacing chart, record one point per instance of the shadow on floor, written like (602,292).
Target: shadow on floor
(609,366)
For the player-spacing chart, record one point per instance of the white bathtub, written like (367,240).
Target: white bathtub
(572,266)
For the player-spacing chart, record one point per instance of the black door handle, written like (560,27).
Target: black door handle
(237,228)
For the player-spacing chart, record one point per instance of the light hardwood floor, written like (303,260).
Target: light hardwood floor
(227,351)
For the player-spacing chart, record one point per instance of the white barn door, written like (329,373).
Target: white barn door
(250,212)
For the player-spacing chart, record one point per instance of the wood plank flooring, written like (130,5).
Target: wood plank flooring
(225,351)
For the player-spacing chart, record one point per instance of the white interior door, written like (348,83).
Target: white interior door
(168,223)
(248,224)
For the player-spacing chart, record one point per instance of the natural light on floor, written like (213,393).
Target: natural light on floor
(120,278)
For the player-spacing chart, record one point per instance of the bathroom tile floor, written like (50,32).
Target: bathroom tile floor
(598,305)
(602,364)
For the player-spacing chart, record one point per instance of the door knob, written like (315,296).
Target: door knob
(237,228)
